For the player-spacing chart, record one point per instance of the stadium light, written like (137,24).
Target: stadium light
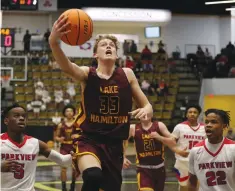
(219,2)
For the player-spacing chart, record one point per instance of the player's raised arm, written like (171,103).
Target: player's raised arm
(144,107)
(62,160)
(58,30)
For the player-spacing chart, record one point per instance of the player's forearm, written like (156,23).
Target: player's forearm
(168,141)
(61,59)
(192,187)
(192,183)
(62,160)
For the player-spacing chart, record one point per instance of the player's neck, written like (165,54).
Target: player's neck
(216,140)
(16,137)
(69,120)
(146,125)
(105,69)
(192,123)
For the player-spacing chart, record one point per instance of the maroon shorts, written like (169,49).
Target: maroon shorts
(152,179)
(110,156)
(66,149)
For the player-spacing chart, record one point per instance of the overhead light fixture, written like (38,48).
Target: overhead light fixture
(219,2)
(230,9)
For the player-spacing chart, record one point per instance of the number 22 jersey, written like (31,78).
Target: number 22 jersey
(26,153)
(215,169)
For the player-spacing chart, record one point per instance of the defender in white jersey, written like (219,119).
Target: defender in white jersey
(212,161)
(19,153)
(187,134)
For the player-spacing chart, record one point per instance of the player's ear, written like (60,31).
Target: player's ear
(95,55)
(6,121)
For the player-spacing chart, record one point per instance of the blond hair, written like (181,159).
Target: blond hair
(110,37)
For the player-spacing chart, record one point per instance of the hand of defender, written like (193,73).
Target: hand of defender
(60,28)
(139,114)
(9,166)
(126,163)
(184,153)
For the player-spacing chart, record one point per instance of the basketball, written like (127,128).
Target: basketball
(81,27)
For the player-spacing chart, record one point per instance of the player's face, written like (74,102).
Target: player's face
(192,114)
(106,50)
(69,113)
(16,119)
(214,127)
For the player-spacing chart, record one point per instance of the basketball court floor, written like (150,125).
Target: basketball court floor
(48,175)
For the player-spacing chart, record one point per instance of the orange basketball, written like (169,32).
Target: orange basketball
(81,27)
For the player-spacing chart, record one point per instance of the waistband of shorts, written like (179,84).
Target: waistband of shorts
(151,166)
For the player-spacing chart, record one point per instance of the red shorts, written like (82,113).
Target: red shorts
(110,156)
(66,149)
(151,179)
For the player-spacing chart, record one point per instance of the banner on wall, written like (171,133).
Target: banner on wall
(224,102)
(47,5)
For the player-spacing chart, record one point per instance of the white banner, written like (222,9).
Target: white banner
(47,5)
(83,51)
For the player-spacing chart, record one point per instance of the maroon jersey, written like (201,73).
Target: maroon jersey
(67,132)
(149,151)
(105,106)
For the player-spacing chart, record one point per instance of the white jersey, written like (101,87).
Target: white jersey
(188,136)
(26,153)
(215,169)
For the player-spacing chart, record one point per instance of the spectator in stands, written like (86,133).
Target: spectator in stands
(129,63)
(231,73)
(58,94)
(26,41)
(161,52)
(200,52)
(145,86)
(46,98)
(222,64)
(230,46)
(133,47)
(46,38)
(36,105)
(176,54)
(125,47)
(53,64)
(38,86)
(138,66)
(208,54)
(162,89)
(44,58)
(71,89)
(146,58)
(35,58)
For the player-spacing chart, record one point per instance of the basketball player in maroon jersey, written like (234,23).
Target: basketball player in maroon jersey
(64,135)
(107,94)
(149,138)
(19,152)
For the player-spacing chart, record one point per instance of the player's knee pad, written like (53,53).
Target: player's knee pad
(92,175)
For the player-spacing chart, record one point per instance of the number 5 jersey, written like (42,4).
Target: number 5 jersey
(214,165)
(23,176)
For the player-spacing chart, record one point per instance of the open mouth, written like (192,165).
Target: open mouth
(21,124)
(108,52)
(209,132)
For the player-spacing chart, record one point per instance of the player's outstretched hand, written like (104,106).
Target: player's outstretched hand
(60,28)
(126,163)
(140,113)
(184,153)
(9,166)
